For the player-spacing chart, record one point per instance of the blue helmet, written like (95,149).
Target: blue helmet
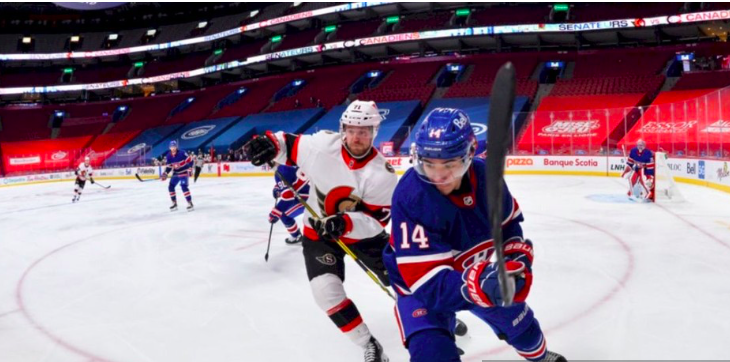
(173,143)
(445,133)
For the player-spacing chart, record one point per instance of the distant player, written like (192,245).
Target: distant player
(640,165)
(181,164)
(412,153)
(353,185)
(288,207)
(441,244)
(83,172)
(199,162)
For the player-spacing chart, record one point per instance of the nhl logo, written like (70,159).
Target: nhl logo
(468,201)
(327,259)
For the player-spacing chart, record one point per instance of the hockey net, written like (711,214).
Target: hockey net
(665,188)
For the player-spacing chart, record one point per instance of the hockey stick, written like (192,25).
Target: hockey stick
(339,242)
(271,230)
(147,180)
(500,117)
(102,186)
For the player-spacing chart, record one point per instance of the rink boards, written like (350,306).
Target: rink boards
(709,173)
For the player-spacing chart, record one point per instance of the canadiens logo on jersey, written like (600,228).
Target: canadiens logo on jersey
(468,201)
(339,199)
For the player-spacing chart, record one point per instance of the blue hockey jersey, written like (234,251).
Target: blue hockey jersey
(643,159)
(435,237)
(295,178)
(181,163)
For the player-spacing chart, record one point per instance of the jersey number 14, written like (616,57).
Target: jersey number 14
(418,237)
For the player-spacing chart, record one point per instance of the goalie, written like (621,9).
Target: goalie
(640,168)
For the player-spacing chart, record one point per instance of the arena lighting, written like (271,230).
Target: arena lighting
(218,52)
(330,28)
(276,38)
(560,7)
(454,68)
(139,64)
(463,12)
(202,24)
(151,32)
(68,70)
(113,36)
(75,39)
(392,19)
(313,49)
(27,40)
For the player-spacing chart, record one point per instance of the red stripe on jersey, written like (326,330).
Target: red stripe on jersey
(514,213)
(481,251)
(311,234)
(377,212)
(413,272)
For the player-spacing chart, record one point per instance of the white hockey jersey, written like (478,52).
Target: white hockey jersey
(362,189)
(84,172)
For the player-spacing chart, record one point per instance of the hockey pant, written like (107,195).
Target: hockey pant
(183,180)
(429,335)
(197,173)
(79,187)
(326,271)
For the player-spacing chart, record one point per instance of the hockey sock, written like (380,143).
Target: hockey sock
(347,318)
(531,344)
(293,229)
(173,197)
(329,293)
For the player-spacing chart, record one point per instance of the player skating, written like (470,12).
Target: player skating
(287,207)
(83,172)
(353,185)
(438,257)
(640,166)
(181,165)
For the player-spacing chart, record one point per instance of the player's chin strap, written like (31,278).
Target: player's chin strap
(339,242)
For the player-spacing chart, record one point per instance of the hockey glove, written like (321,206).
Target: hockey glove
(517,249)
(273,218)
(263,149)
(481,283)
(91,180)
(331,227)
(163,177)
(276,193)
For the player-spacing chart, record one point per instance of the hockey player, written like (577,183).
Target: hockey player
(199,162)
(288,207)
(439,251)
(640,164)
(181,164)
(353,184)
(83,172)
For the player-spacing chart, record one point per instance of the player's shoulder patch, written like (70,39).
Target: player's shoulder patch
(389,167)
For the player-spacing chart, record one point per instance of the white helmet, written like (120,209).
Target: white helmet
(87,159)
(361,114)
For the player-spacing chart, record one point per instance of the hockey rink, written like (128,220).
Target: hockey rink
(119,278)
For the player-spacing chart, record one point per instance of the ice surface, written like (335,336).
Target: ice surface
(119,278)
